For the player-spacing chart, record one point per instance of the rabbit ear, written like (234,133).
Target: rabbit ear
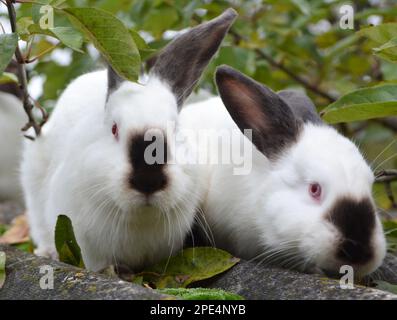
(114,80)
(301,105)
(182,62)
(254,106)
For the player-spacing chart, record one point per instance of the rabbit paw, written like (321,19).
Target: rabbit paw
(46,252)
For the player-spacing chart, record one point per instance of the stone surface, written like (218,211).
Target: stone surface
(253,282)
(388,271)
(246,279)
(70,283)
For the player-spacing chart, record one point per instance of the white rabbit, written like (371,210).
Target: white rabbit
(12,119)
(307,202)
(90,161)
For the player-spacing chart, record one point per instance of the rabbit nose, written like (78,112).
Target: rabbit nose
(355,221)
(148,177)
(351,252)
(148,182)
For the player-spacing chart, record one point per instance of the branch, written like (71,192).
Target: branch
(22,76)
(282,67)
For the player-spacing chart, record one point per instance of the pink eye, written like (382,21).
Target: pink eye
(115,131)
(315,190)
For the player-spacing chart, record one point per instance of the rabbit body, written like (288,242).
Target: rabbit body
(128,206)
(306,202)
(12,119)
(76,170)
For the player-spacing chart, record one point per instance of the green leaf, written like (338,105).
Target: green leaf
(388,50)
(385,286)
(380,34)
(111,38)
(66,244)
(69,37)
(201,294)
(385,36)
(7,77)
(2,268)
(8,44)
(362,104)
(190,265)
(144,49)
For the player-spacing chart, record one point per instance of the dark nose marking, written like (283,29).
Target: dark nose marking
(147,178)
(355,220)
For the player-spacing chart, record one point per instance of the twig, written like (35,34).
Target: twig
(22,75)
(282,67)
(28,60)
(389,175)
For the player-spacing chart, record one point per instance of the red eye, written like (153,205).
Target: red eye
(315,190)
(115,131)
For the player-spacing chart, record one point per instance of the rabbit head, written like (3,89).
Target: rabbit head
(142,120)
(314,188)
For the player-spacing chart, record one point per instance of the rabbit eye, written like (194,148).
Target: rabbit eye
(115,131)
(315,190)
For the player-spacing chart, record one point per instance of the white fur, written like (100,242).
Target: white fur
(77,168)
(271,208)
(12,119)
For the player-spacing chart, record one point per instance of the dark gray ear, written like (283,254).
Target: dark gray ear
(254,106)
(114,80)
(301,105)
(182,62)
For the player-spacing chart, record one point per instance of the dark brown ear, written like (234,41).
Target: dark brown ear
(114,80)
(254,106)
(301,105)
(182,62)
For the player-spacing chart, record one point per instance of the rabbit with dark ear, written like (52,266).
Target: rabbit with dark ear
(307,202)
(94,160)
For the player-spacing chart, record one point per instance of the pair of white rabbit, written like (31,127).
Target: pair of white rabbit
(308,194)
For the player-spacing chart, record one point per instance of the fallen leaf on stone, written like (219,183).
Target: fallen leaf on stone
(17,233)
(2,268)
(189,266)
